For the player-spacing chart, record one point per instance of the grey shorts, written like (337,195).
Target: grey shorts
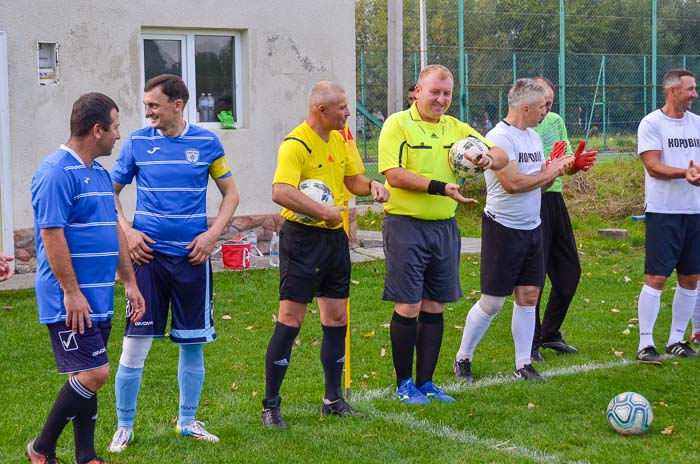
(422,260)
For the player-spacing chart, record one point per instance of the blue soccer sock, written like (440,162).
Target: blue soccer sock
(126,388)
(190,376)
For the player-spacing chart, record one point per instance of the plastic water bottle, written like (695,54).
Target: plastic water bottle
(275,250)
(210,108)
(254,250)
(202,107)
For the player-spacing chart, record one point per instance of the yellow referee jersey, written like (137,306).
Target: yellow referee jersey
(304,155)
(406,141)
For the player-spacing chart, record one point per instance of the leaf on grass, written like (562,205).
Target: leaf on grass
(234,386)
(619,353)
(369,334)
(226,317)
(627,279)
(365,376)
(274,318)
(586,300)
(449,308)
(297,342)
(8,308)
(250,327)
(530,406)
(313,311)
(602,301)
(386,326)
(355,282)
(631,326)
(205,402)
(675,363)
(314,342)
(661,403)
(255,393)
(626,332)
(614,310)
(363,384)
(474,292)
(173,420)
(459,327)
(668,430)
(382,352)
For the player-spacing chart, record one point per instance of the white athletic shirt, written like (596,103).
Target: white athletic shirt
(515,210)
(678,140)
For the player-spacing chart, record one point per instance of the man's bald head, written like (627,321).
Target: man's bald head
(328,106)
(325,93)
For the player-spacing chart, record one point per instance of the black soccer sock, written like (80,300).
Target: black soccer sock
(333,359)
(279,352)
(403,343)
(84,431)
(428,342)
(70,401)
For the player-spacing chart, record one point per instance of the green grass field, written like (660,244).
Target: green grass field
(495,420)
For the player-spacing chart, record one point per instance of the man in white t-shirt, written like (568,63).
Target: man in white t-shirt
(512,217)
(668,142)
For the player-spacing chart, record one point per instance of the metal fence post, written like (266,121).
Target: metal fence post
(460,51)
(562,61)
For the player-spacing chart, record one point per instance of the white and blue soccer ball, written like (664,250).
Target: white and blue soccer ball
(629,413)
(462,152)
(319,192)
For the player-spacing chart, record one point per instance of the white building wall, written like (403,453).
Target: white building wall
(287,45)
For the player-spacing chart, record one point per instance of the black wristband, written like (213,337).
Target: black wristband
(436,187)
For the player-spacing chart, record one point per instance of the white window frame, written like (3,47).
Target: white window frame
(187,38)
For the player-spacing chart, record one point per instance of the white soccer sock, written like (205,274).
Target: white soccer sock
(475,326)
(523,328)
(695,318)
(683,304)
(648,307)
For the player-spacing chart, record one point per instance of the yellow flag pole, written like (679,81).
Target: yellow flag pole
(348,378)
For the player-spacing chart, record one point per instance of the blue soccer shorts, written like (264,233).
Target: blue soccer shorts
(75,352)
(168,283)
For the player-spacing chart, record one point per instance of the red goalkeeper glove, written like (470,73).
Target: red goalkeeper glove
(558,151)
(583,160)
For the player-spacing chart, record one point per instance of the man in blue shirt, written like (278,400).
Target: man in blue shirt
(79,246)
(170,244)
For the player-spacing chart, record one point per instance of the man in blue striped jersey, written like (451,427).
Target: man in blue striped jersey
(79,246)
(170,244)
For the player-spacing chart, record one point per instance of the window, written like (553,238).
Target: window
(210,64)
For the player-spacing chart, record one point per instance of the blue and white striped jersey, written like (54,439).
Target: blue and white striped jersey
(171,180)
(79,199)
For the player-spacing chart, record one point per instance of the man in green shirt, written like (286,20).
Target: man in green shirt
(560,252)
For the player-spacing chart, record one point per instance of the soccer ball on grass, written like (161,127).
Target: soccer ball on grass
(319,192)
(630,413)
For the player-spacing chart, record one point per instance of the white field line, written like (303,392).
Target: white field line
(458,386)
(461,436)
